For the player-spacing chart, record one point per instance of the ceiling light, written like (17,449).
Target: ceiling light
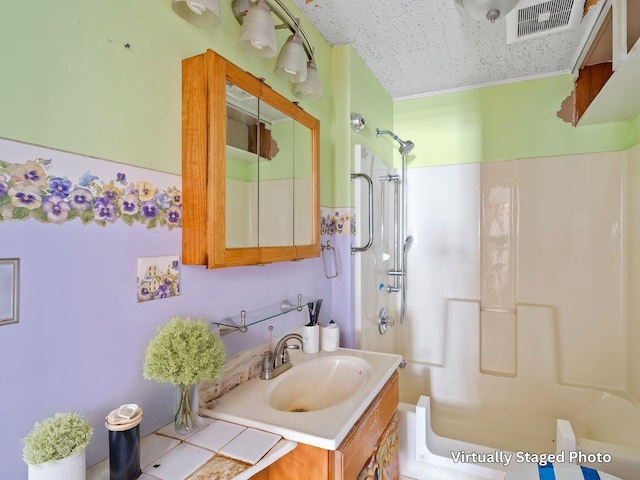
(292,61)
(203,13)
(258,32)
(488,9)
(311,88)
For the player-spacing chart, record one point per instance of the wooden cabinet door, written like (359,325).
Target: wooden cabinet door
(352,454)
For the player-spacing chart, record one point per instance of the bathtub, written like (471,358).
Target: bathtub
(427,455)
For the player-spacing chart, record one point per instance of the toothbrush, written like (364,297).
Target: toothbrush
(311,316)
(316,313)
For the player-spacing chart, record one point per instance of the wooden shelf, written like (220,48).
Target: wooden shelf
(243,156)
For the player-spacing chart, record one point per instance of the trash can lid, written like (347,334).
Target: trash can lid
(124,417)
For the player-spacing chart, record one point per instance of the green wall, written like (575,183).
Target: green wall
(356,90)
(635,130)
(504,122)
(69,82)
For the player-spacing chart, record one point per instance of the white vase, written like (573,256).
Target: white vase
(70,468)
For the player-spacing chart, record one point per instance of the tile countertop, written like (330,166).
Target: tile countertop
(248,403)
(216,450)
(244,435)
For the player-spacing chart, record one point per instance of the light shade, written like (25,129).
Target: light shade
(488,9)
(311,88)
(203,13)
(258,32)
(292,61)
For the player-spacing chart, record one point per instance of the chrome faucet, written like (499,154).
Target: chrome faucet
(274,363)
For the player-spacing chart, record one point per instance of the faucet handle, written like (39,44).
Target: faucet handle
(267,361)
(285,351)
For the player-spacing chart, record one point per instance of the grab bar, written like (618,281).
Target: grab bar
(354,248)
(336,266)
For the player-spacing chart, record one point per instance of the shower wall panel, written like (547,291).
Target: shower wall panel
(517,281)
(570,257)
(633,268)
(443,215)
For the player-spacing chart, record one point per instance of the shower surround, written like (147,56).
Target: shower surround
(519,303)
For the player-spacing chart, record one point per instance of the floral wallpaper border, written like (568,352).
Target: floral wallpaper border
(57,191)
(53,186)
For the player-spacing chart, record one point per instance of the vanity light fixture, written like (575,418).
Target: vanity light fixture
(488,9)
(311,88)
(203,13)
(292,61)
(296,62)
(258,32)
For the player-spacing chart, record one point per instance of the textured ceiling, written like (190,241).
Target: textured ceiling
(418,47)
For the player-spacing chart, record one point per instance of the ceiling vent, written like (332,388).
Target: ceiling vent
(535,18)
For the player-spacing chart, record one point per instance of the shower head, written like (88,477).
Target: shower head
(405,147)
(407,244)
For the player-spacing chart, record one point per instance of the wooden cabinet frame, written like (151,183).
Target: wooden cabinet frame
(204,80)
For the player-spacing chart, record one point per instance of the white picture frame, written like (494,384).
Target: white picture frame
(9,290)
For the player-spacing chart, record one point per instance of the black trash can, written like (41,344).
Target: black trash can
(123,425)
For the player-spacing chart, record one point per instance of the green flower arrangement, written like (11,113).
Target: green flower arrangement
(56,438)
(184,352)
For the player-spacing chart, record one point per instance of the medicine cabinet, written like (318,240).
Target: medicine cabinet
(609,67)
(250,169)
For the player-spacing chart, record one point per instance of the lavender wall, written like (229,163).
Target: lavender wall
(79,345)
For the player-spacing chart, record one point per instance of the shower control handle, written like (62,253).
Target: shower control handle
(384,321)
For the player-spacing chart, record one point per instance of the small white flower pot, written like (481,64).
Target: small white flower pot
(70,468)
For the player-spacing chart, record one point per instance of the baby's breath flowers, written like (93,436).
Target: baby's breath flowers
(184,352)
(56,438)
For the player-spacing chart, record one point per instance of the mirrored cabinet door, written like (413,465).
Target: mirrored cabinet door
(242,164)
(276,202)
(303,186)
(250,169)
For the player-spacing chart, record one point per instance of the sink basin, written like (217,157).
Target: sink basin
(318,384)
(333,388)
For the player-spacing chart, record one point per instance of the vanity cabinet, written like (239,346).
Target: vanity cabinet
(250,169)
(371,443)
